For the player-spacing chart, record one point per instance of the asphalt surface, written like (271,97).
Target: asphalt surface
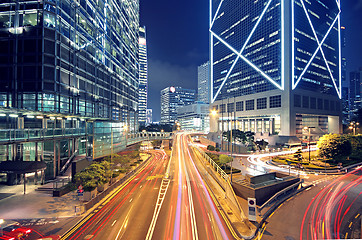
(329,210)
(127,213)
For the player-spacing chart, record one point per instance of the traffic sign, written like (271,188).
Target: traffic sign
(80,192)
(252,209)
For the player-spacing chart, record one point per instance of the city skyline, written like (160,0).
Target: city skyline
(191,39)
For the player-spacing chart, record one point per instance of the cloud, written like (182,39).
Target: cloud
(164,74)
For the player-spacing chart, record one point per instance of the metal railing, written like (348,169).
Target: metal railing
(280,193)
(227,188)
(8,135)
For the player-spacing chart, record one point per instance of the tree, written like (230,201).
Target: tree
(211,148)
(356,143)
(239,136)
(261,144)
(334,146)
(224,159)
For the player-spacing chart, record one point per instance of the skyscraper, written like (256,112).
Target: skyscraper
(203,86)
(276,65)
(148,116)
(69,77)
(143,82)
(171,99)
(355,91)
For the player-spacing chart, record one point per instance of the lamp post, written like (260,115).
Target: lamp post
(353,126)
(308,128)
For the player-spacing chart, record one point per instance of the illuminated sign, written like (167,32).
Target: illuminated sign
(172,89)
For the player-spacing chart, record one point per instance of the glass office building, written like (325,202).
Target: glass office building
(171,99)
(69,76)
(276,66)
(203,83)
(143,83)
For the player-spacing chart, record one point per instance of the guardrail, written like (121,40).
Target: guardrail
(228,190)
(280,193)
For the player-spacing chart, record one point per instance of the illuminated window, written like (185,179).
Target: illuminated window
(30,19)
(49,20)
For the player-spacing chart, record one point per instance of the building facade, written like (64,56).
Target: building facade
(148,116)
(69,71)
(203,83)
(143,77)
(355,88)
(276,66)
(194,117)
(171,99)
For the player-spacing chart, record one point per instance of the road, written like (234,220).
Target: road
(188,211)
(165,200)
(128,212)
(329,210)
(333,210)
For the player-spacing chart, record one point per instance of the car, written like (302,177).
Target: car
(5,237)
(16,231)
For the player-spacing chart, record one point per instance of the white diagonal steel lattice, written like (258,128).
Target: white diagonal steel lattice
(319,48)
(239,53)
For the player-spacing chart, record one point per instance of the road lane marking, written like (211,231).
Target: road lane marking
(108,199)
(114,222)
(124,225)
(131,200)
(161,196)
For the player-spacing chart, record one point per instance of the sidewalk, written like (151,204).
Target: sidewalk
(14,204)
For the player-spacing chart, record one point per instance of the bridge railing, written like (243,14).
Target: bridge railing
(225,184)
(138,137)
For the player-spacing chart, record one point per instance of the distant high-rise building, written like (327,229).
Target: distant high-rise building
(148,116)
(355,82)
(204,84)
(194,117)
(281,61)
(143,79)
(345,84)
(171,99)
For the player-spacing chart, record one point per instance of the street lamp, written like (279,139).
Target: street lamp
(308,128)
(354,125)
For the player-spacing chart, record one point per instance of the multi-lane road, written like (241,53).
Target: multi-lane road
(166,199)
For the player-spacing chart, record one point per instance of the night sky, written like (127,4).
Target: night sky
(178,42)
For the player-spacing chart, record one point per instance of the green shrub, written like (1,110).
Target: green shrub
(210,148)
